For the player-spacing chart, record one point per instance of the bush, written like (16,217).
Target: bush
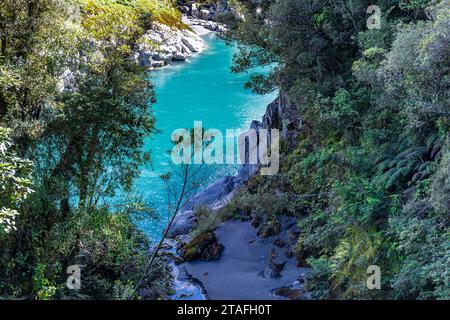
(111,251)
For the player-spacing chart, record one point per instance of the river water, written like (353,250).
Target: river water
(200,89)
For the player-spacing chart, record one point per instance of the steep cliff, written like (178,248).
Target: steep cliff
(281,115)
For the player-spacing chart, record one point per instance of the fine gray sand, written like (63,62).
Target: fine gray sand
(238,273)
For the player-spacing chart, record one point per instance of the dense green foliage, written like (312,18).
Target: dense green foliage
(369,177)
(77,105)
(14,183)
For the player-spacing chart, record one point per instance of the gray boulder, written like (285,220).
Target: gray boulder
(281,115)
(215,197)
(276,264)
(249,170)
(215,194)
(179,57)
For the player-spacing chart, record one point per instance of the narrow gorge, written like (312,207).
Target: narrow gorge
(224,150)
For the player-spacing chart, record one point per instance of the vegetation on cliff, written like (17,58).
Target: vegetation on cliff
(369,176)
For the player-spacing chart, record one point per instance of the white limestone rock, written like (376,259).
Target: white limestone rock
(165,44)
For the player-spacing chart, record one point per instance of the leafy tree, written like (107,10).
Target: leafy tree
(15,181)
(79,106)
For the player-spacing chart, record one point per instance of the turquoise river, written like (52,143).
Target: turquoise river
(200,89)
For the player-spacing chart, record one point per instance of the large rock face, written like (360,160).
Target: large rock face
(279,115)
(215,197)
(285,116)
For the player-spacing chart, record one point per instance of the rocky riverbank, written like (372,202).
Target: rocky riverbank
(164,44)
(241,252)
(216,10)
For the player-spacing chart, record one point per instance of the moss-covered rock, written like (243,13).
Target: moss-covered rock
(204,246)
(302,256)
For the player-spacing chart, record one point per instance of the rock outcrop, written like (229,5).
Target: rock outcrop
(205,247)
(279,115)
(282,115)
(164,44)
(276,264)
(194,23)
